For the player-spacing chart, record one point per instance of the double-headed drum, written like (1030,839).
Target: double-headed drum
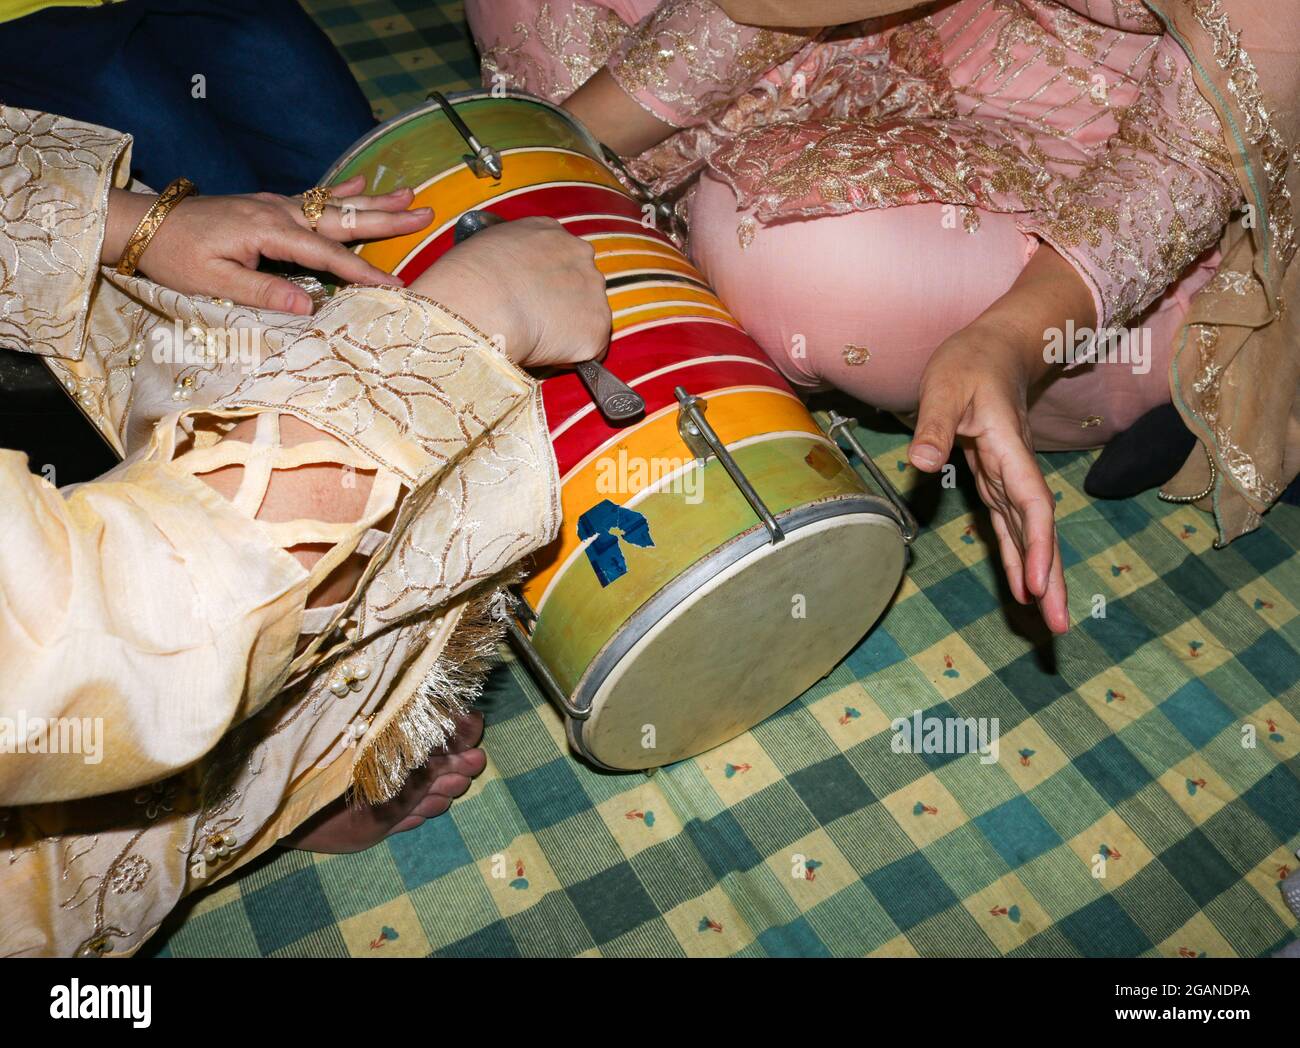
(717,556)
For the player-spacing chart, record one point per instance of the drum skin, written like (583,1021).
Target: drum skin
(663,609)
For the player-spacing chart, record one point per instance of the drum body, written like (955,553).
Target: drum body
(668,616)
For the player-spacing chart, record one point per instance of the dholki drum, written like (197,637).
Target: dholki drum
(719,554)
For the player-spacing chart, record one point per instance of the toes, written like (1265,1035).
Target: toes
(431,807)
(411,822)
(469,732)
(450,785)
(470,763)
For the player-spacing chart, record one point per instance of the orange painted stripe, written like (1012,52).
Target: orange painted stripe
(733,416)
(614,264)
(678,309)
(606,244)
(643,294)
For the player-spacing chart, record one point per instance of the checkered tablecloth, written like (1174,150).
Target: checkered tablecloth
(1163,736)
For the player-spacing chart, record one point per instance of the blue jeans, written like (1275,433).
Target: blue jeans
(276,104)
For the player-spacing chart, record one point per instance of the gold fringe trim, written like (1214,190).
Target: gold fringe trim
(449,689)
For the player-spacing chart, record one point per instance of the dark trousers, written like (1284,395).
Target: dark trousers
(236,95)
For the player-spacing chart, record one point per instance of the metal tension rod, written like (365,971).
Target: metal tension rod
(841,425)
(484,161)
(523,644)
(699,436)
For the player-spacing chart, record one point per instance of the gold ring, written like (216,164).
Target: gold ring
(313,204)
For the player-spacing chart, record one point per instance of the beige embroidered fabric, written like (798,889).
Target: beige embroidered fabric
(176,621)
(1235,375)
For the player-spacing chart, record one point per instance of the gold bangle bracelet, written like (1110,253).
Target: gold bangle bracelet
(176,191)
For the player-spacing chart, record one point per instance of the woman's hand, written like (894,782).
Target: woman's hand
(531,286)
(212,245)
(975,390)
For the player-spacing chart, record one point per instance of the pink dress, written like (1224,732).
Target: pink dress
(859,196)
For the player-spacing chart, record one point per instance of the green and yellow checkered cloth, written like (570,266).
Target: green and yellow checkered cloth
(1163,736)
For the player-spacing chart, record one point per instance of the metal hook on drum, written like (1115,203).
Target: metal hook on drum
(483,160)
(841,425)
(703,442)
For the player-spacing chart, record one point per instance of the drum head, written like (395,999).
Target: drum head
(745,643)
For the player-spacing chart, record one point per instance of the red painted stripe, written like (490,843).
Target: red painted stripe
(591,431)
(563,393)
(689,337)
(642,352)
(549,201)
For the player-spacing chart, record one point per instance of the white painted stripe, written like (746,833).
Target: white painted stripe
(655,241)
(608,218)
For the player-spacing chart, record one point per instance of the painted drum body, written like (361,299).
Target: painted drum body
(663,611)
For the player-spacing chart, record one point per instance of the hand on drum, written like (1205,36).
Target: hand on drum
(530,285)
(212,245)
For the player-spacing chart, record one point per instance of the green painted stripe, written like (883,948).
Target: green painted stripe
(581,616)
(415,151)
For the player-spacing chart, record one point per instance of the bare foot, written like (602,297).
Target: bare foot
(428,793)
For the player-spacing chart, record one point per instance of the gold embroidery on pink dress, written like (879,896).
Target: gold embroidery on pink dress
(745,230)
(1239,464)
(720,58)
(1145,180)
(579,41)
